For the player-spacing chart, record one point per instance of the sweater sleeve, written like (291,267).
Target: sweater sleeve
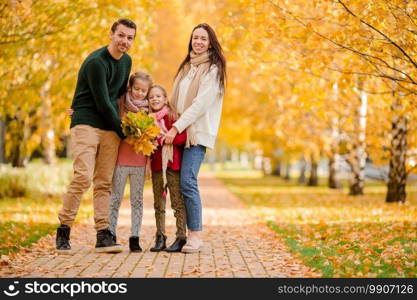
(96,77)
(123,88)
(206,96)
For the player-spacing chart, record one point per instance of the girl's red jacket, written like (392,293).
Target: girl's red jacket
(178,144)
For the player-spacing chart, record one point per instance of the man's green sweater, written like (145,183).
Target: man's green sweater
(101,81)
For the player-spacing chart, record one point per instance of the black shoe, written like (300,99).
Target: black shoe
(177,245)
(134,244)
(62,239)
(160,243)
(106,242)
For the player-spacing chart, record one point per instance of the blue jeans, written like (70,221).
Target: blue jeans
(191,162)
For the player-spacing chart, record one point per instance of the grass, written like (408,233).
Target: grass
(37,179)
(24,220)
(337,234)
(29,209)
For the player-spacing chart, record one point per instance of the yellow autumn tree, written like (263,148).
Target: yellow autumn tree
(46,45)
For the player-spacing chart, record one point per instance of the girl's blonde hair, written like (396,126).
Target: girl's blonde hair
(173,115)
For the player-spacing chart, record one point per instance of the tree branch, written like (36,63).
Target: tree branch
(381,33)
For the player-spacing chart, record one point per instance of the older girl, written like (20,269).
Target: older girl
(130,164)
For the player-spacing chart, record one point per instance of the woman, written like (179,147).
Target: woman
(197,96)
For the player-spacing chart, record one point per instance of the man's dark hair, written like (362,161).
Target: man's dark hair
(126,22)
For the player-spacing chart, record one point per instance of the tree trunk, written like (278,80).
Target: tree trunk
(302,177)
(2,141)
(397,177)
(357,159)
(48,134)
(18,153)
(357,184)
(266,166)
(287,171)
(277,169)
(313,179)
(244,160)
(333,182)
(257,162)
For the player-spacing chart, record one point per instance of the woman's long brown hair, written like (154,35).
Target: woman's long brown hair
(216,54)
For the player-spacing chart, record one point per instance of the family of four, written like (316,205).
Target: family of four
(189,123)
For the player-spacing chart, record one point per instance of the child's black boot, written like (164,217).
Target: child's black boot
(134,244)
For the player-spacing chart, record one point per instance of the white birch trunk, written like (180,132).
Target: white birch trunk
(397,178)
(358,156)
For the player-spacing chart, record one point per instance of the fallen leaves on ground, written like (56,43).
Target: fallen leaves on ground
(338,234)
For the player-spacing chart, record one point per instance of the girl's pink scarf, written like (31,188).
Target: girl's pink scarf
(131,104)
(160,119)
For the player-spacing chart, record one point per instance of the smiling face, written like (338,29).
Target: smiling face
(140,89)
(157,99)
(200,41)
(122,38)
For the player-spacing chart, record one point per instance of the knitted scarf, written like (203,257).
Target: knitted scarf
(167,150)
(202,63)
(134,105)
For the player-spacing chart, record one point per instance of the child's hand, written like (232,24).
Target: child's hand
(160,141)
(70,112)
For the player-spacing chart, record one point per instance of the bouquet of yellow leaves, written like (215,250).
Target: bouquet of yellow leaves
(141,131)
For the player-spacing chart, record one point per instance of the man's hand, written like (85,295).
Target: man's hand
(70,111)
(169,137)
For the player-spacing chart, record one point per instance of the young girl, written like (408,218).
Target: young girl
(165,166)
(130,164)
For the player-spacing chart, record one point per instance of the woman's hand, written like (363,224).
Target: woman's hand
(70,112)
(169,137)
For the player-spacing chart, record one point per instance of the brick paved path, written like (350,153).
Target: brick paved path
(237,244)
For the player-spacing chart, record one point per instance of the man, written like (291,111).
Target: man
(96,134)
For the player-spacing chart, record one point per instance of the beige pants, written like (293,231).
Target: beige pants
(95,154)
